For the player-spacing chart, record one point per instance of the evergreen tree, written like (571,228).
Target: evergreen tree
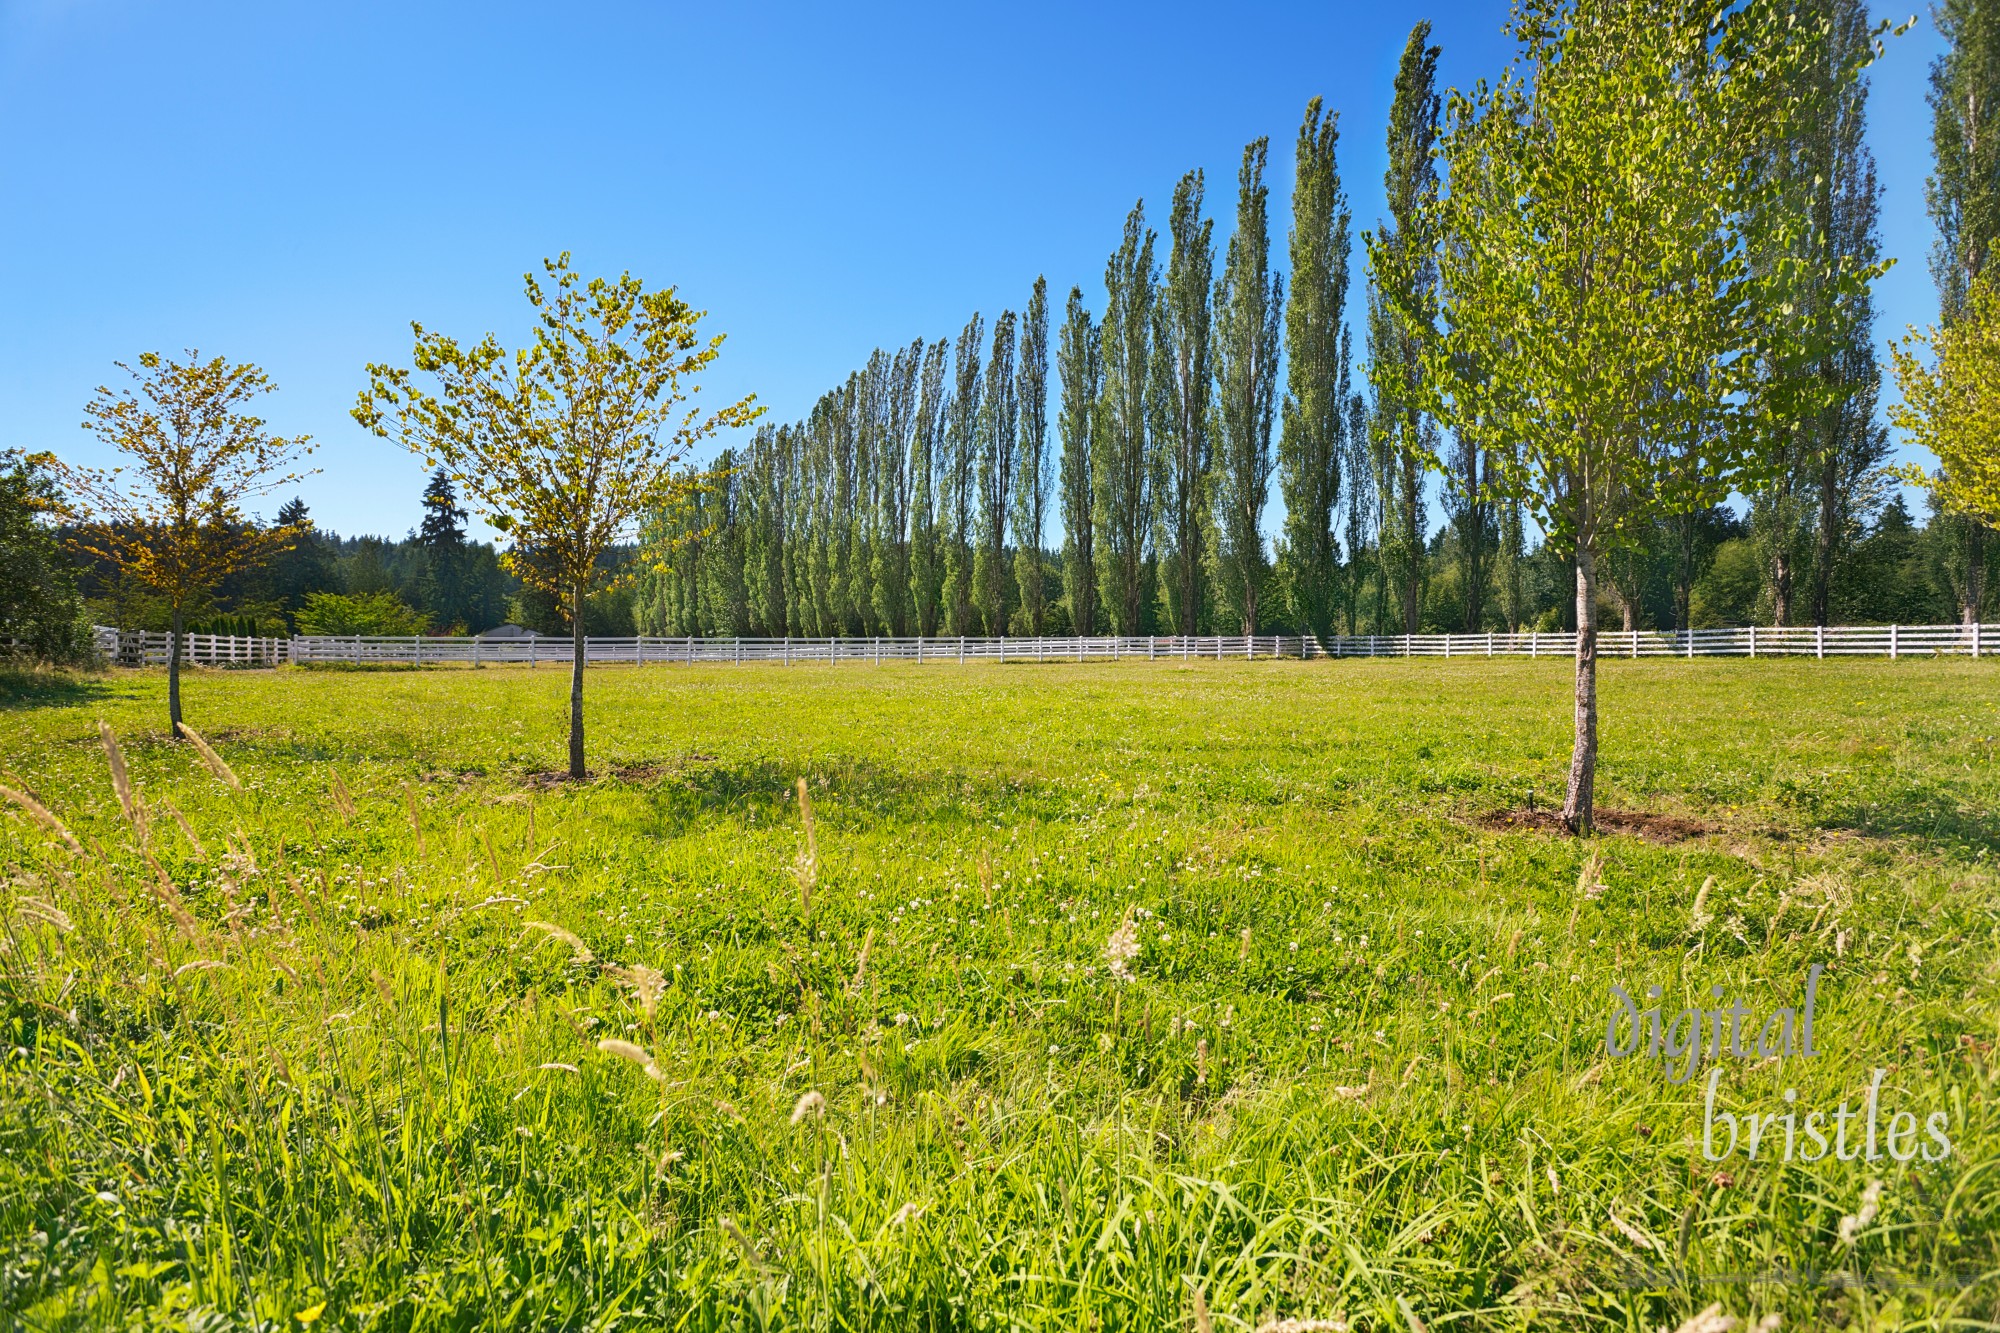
(1121,465)
(1406,435)
(1249,302)
(1318,371)
(1079,368)
(997,445)
(1031,471)
(1964,196)
(1181,331)
(442,536)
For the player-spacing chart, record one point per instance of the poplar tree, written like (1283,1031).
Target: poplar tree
(1079,369)
(1121,466)
(1181,347)
(1318,371)
(961,466)
(1031,470)
(894,461)
(1249,302)
(997,443)
(1963,194)
(927,470)
(1406,443)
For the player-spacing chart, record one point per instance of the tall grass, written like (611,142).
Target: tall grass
(1055,998)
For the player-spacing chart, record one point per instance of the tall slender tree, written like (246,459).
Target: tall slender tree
(927,447)
(1181,438)
(1031,471)
(961,477)
(998,430)
(1079,369)
(1395,355)
(1122,471)
(1318,369)
(1249,302)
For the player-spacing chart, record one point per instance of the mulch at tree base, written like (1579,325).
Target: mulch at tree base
(1664,829)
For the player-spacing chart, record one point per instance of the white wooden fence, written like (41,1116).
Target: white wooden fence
(132,648)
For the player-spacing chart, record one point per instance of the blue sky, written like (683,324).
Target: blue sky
(293,184)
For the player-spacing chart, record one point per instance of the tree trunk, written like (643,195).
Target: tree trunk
(1781,588)
(1975,570)
(179,621)
(1824,544)
(1413,547)
(1583,759)
(576,772)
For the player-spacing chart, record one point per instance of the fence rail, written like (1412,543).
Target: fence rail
(133,648)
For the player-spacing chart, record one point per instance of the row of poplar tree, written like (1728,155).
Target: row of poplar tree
(916,497)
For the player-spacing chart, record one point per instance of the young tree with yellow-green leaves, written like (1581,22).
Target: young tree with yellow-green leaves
(1597,300)
(171,515)
(567,443)
(1952,406)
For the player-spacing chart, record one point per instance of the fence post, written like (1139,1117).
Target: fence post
(788,650)
(1534,644)
(920,650)
(1753,641)
(1892,641)
(1975,640)
(961,650)
(1819,642)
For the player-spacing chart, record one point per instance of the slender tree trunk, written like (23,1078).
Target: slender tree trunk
(576,772)
(1583,759)
(1823,540)
(1975,571)
(179,622)
(1413,545)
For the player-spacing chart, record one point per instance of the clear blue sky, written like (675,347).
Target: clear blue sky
(293,184)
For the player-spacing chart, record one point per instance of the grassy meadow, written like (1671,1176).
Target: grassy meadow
(1118,996)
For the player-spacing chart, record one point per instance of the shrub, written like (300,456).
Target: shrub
(369,614)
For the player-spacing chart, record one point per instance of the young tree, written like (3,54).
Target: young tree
(1249,302)
(1077,365)
(441,536)
(1318,371)
(1952,407)
(1121,466)
(1406,445)
(565,444)
(1620,313)
(1181,436)
(997,431)
(1031,470)
(39,609)
(172,516)
(1964,198)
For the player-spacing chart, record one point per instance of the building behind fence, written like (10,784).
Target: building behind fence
(136,649)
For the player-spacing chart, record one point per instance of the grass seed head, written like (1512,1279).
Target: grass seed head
(209,757)
(1122,948)
(583,953)
(812,1104)
(43,816)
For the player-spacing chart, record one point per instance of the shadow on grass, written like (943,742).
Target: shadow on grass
(849,794)
(1931,815)
(34,687)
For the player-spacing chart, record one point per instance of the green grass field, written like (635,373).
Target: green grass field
(326,1069)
